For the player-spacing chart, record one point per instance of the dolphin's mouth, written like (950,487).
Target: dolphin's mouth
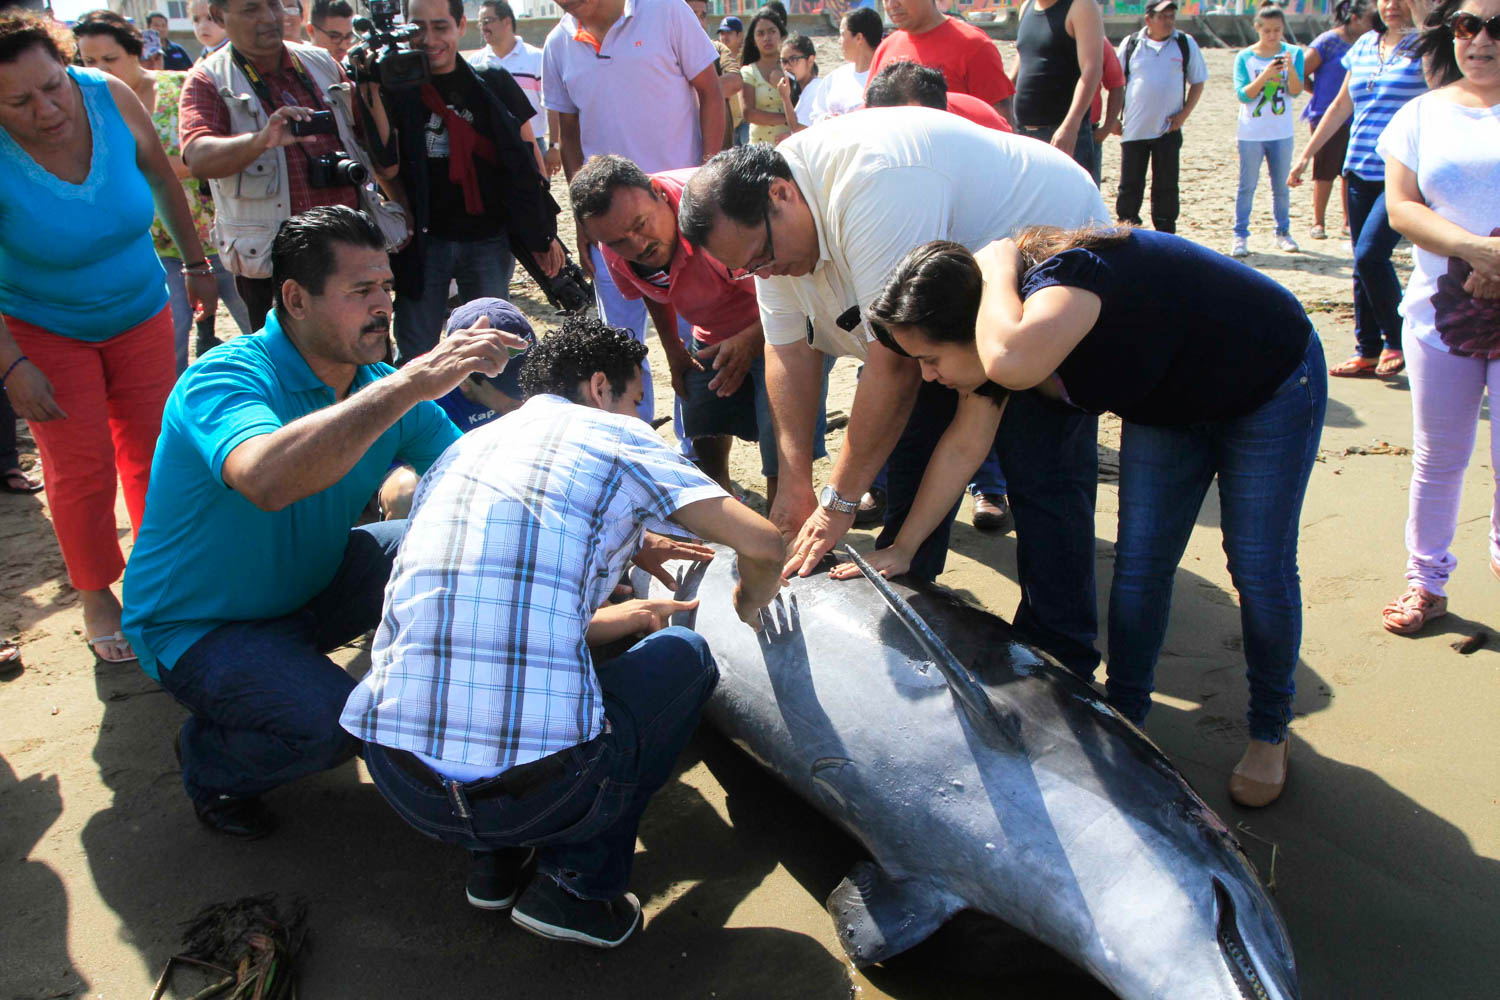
(1236,955)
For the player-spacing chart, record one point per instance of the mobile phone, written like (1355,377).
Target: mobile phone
(321,123)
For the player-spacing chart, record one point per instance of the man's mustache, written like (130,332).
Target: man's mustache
(380,324)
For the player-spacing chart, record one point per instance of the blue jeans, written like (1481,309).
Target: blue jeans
(1262,461)
(264,697)
(1083,147)
(182,312)
(1047,452)
(583,823)
(1277,154)
(742,134)
(990,478)
(628,314)
(770,463)
(1377,289)
(482,269)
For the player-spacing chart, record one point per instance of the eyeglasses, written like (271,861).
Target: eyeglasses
(792,60)
(336,37)
(770,256)
(1466,26)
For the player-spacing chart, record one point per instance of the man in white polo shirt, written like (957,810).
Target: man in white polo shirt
(635,78)
(523,61)
(822,220)
(1164,77)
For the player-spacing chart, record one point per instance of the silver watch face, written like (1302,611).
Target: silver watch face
(827,497)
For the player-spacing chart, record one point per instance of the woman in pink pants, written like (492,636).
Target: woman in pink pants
(1442,154)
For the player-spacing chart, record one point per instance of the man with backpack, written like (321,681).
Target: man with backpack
(1164,77)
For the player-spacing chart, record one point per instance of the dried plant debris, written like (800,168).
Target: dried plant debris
(249,947)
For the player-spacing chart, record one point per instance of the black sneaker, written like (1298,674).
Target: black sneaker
(496,876)
(547,910)
(247,819)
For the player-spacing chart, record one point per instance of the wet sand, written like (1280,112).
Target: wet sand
(1385,842)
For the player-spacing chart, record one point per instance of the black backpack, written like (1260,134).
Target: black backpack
(1182,44)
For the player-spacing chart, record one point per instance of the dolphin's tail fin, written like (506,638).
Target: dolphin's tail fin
(877,915)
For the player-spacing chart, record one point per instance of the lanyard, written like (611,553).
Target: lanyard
(263,90)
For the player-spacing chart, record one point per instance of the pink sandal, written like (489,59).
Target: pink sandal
(1412,610)
(1355,367)
(1391,363)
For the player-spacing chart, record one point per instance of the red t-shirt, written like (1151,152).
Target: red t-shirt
(967,56)
(696,285)
(1113,79)
(977,112)
(202,112)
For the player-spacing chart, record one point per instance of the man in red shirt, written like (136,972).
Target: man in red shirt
(1105,119)
(968,58)
(632,217)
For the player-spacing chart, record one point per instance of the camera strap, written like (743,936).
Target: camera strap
(263,89)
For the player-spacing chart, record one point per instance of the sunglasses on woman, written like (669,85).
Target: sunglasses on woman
(1467,26)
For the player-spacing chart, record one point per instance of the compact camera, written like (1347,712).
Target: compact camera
(386,56)
(321,123)
(336,170)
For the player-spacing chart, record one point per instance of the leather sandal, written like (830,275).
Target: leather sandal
(1413,609)
(1252,792)
(1391,363)
(1354,367)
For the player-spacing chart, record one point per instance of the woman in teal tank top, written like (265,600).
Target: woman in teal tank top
(86,351)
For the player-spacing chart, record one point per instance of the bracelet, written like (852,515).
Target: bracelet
(11,369)
(202,270)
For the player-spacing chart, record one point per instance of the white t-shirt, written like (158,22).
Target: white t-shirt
(1270,115)
(1455,153)
(632,94)
(843,91)
(886,180)
(524,63)
(810,101)
(1153,89)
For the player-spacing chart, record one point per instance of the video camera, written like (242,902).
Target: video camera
(569,291)
(386,51)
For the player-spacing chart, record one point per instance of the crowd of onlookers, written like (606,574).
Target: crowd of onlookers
(365,457)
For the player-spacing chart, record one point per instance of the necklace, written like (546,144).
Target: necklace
(1382,59)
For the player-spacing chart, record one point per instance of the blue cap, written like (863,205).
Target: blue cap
(731,24)
(502,316)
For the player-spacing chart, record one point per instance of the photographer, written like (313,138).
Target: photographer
(284,141)
(467,158)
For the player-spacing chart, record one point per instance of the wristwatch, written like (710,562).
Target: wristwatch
(830,500)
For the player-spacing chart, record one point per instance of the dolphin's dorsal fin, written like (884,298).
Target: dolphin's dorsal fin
(877,915)
(967,689)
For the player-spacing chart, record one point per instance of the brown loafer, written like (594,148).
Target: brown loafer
(1252,792)
(992,513)
(1413,609)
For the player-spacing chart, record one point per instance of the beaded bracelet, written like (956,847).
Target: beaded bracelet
(11,369)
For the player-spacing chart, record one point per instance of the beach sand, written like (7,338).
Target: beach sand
(1383,847)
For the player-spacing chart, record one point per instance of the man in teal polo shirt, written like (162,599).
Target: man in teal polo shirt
(248,567)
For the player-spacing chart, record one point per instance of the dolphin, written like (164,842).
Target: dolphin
(980,774)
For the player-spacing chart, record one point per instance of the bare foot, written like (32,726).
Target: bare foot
(101,622)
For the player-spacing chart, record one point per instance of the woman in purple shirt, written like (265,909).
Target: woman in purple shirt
(1323,62)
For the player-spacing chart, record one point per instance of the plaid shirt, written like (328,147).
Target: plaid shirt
(202,112)
(517,534)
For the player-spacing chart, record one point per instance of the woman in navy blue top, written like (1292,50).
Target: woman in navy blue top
(1215,369)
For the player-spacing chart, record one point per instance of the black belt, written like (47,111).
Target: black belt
(516,782)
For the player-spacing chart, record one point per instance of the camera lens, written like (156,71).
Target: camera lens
(352,171)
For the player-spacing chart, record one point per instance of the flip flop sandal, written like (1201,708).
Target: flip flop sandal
(16,481)
(1318,233)
(118,637)
(1391,363)
(1354,367)
(1412,610)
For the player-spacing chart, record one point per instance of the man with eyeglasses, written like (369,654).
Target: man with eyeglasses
(332,27)
(822,220)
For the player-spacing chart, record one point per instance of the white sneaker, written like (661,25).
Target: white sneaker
(1240,248)
(1285,242)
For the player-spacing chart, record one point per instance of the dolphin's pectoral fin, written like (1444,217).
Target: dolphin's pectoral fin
(877,915)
